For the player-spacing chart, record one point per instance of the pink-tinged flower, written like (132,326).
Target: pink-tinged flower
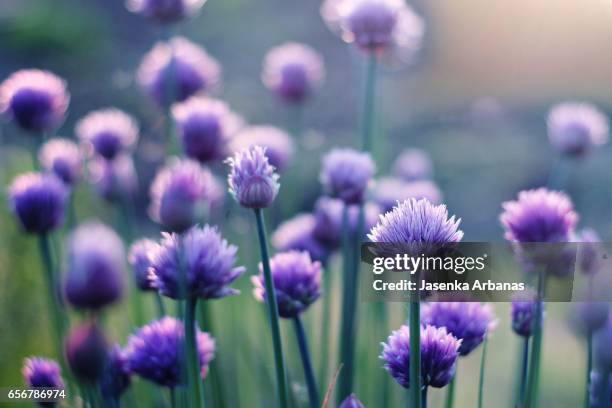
(165,11)
(252,180)
(389,191)
(140,257)
(107,132)
(293,71)
(351,402)
(575,128)
(346,174)
(205,126)
(278,144)
(86,351)
(62,157)
(41,372)
(297,234)
(412,165)
(114,180)
(35,100)
(175,70)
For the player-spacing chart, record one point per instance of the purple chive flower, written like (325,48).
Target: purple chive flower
(94,266)
(252,180)
(107,132)
(351,402)
(165,11)
(154,352)
(182,194)
(588,317)
(297,281)
(346,174)
(388,191)
(522,312)
(439,353)
(576,128)
(297,234)
(116,377)
(293,71)
(62,157)
(87,352)
(328,220)
(35,100)
(590,251)
(205,126)
(139,258)
(278,144)
(175,70)
(208,261)
(470,322)
(38,201)
(114,180)
(539,216)
(41,372)
(412,165)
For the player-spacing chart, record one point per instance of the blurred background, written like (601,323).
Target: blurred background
(476,101)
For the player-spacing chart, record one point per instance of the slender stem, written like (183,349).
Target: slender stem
(369,98)
(161,309)
(589,368)
(313,393)
(172,397)
(52,292)
(424,397)
(383,320)
(325,322)
(215,388)
(524,367)
(483,360)
(415,352)
(281,376)
(450,395)
(193,365)
(534,364)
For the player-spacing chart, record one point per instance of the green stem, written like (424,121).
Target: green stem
(424,397)
(483,359)
(589,368)
(281,376)
(534,364)
(524,367)
(52,292)
(172,397)
(369,97)
(313,394)
(161,309)
(193,365)
(325,322)
(415,352)
(215,388)
(450,395)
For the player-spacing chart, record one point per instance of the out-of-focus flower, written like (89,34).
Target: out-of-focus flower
(38,201)
(412,165)
(297,281)
(590,251)
(575,128)
(114,180)
(293,71)
(95,266)
(595,391)
(376,26)
(523,312)
(87,352)
(346,174)
(470,322)
(107,132)
(41,372)
(351,402)
(602,352)
(208,261)
(175,70)
(182,193)
(586,318)
(389,191)
(539,216)
(439,353)
(297,234)
(35,100)
(252,180)
(139,258)
(205,126)
(278,144)
(62,157)
(165,11)
(154,352)
(116,377)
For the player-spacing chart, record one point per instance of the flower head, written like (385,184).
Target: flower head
(175,70)
(116,377)
(588,317)
(181,194)
(205,126)
(62,157)
(470,322)
(297,281)
(252,179)
(389,191)
(292,71)
(139,258)
(576,128)
(278,144)
(297,234)
(94,266)
(346,174)
(35,100)
(38,201)
(114,180)
(87,352)
(165,11)
(351,402)
(412,165)
(154,352)
(208,261)
(590,251)
(107,132)
(41,372)
(439,353)
(539,216)
(523,312)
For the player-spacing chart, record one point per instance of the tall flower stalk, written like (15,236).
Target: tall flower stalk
(313,392)
(483,360)
(415,350)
